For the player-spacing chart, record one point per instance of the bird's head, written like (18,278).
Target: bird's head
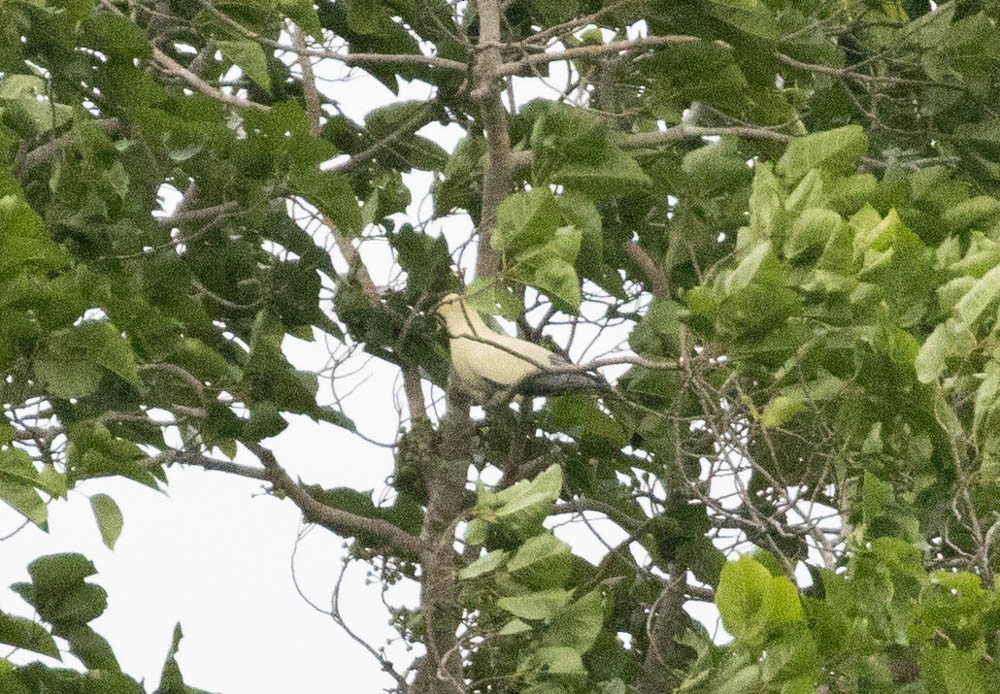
(456,315)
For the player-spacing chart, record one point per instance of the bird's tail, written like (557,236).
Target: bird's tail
(543,384)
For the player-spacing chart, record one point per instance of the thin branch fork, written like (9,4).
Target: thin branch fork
(312,97)
(171,66)
(853,74)
(339,521)
(595,51)
(197,83)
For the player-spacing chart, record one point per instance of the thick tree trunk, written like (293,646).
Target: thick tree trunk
(441,671)
(665,657)
(487,90)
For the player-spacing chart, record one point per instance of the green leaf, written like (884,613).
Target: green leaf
(93,451)
(554,660)
(56,573)
(618,173)
(24,633)
(810,232)
(115,35)
(847,194)
(615,686)
(520,509)
(25,500)
(752,601)
(525,221)
(983,294)
(483,565)
(808,194)
(558,280)
(106,681)
(716,167)
(249,56)
(987,131)
(73,361)
(767,204)
(986,397)
(477,532)
(91,648)
(514,626)
(951,292)
(24,240)
(76,379)
(791,655)
(171,680)
(61,596)
(265,421)
(949,339)
(28,96)
(658,331)
(541,605)
(746,16)
(781,409)
(799,397)
(577,625)
(303,13)
(109,518)
(544,561)
(758,263)
(204,362)
(836,151)
(365,16)
(951,671)
(741,597)
(563,135)
(332,195)
(77,605)
(970,213)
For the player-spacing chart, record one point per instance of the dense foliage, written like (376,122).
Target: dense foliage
(787,208)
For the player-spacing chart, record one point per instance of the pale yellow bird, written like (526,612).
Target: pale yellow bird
(487,362)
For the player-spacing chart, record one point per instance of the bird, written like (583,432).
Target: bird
(487,362)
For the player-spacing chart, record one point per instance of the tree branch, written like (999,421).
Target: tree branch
(595,51)
(198,84)
(205,462)
(658,281)
(359,59)
(197,215)
(849,73)
(314,113)
(497,174)
(575,23)
(341,522)
(683,131)
(408,128)
(39,155)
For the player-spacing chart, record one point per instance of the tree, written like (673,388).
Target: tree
(787,208)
